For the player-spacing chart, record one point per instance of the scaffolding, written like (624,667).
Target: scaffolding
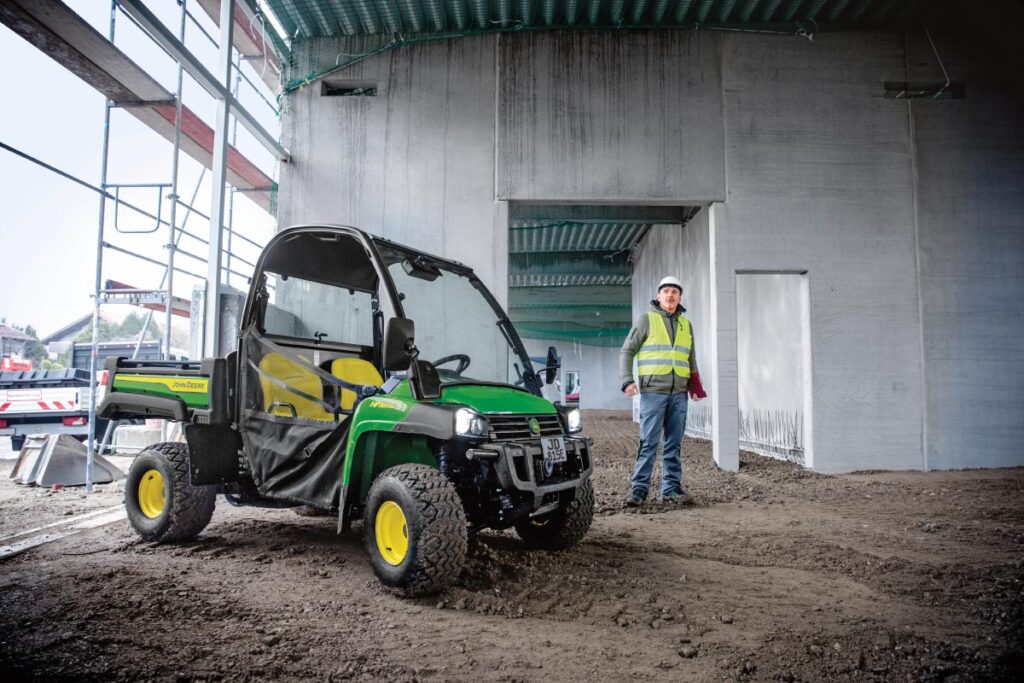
(223,260)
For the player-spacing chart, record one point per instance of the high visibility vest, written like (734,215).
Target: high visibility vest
(658,355)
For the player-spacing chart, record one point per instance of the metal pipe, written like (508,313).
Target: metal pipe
(191,210)
(99,190)
(136,185)
(216,86)
(172,243)
(116,248)
(211,342)
(231,195)
(90,457)
(941,65)
(213,41)
(163,279)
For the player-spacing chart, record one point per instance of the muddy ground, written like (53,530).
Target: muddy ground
(774,574)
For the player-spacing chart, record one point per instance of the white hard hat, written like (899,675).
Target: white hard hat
(670,282)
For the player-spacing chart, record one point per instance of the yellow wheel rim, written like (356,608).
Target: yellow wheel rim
(152,498)
(392,533)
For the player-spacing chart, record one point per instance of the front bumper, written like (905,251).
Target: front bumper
(520,465)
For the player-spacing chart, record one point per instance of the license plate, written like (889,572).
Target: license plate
(554,449)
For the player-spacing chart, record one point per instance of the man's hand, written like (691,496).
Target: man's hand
(631,389)
(696,388)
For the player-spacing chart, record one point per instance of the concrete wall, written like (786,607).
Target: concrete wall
(602,115)
(414,164)
(820,179)
(970,193)
(807,168)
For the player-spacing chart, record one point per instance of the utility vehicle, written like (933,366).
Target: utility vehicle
(335,400)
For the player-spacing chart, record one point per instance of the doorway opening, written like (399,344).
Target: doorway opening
(570,286)
(773,350)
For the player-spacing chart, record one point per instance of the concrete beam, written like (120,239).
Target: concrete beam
(59,32)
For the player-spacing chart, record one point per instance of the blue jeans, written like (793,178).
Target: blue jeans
(660,413)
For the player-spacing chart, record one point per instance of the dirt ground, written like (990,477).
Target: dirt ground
(775,574)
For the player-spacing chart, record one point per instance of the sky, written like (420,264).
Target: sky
(49,225)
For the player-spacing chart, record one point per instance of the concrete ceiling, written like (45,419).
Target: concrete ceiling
(410,18)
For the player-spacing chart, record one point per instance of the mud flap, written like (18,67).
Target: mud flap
(213,453)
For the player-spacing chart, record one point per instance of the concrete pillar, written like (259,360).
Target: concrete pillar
(724,393)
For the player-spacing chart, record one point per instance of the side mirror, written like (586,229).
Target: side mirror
(399,344)
(552,365)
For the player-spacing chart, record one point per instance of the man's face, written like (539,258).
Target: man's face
(668,299)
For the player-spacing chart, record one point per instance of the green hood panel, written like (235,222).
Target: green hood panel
(487,399)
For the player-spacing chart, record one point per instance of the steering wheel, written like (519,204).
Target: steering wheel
(463,363)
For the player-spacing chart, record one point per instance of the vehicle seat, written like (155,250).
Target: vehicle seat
(354,371)
(279,401)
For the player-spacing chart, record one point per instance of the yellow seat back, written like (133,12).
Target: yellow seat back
(354,371)
(278,400)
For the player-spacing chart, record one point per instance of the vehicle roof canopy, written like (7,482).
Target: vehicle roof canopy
(331,257)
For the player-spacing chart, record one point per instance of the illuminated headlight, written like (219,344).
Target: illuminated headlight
(468,423)
(574,421)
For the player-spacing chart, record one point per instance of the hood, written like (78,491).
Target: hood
(491,398)
(656,306)
(485,398)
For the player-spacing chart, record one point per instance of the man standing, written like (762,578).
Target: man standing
(662,343)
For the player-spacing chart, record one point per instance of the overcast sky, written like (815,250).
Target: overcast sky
(49,224)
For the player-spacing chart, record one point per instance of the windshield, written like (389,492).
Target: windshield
(456,328)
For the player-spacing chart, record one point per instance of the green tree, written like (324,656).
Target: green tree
(34,349)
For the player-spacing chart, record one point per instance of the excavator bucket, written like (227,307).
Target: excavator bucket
(61,459)
(25,468)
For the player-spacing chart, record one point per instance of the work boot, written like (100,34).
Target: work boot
(636,498)
(679,497)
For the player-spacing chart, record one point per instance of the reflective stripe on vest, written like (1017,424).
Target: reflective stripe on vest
(658,355)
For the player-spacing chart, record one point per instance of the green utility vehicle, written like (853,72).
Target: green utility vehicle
(334,401)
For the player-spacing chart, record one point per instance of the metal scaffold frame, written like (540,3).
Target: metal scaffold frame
(226,94)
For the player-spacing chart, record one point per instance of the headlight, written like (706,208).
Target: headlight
(469,423)
(574,421)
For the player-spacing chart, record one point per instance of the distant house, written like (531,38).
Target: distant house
(12,340)
(61,340)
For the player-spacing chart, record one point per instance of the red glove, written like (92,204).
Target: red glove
(696,388)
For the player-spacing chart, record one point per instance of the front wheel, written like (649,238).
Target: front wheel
(415,529)
(162,503)
(563,528)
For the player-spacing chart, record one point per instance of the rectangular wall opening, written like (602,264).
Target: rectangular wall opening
(773,348)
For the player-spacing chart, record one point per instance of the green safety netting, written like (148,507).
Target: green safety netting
(606,338)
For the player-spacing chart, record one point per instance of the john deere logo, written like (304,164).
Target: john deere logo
(534,426)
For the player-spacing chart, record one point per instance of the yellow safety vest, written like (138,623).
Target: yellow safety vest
(658,355)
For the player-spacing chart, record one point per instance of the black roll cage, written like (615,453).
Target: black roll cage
(369,243)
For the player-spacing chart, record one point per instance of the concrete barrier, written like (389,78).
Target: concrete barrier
(131,439)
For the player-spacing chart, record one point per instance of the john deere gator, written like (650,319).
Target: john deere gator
(373,382)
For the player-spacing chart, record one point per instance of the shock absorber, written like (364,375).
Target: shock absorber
(442,461)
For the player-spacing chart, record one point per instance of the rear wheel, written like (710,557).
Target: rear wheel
(563,528)
(415,529)
(162,503)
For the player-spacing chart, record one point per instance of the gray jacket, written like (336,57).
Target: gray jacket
(661,384)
